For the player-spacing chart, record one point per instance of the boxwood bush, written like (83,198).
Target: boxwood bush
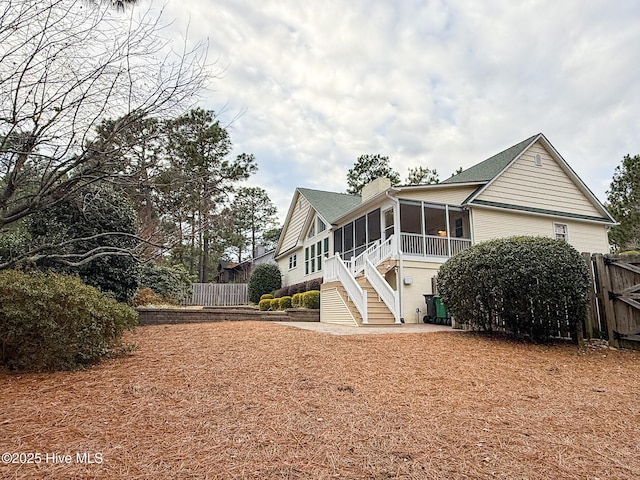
(296,300)
(275,304)
(533,286)
(311,299)
(265,278)
(56,322)
(285,302)
(264,305)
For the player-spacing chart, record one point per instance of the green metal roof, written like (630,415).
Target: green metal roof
(487,170)
(330,205)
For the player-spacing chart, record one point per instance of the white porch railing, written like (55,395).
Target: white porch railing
(432,245)
(376,253)
(357,264)
(336,270)
(387,294)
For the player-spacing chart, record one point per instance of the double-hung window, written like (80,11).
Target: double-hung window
(561,231)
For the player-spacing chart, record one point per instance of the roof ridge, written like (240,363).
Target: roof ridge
(328,191)
(492,166)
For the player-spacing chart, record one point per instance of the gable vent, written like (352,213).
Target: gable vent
(538,160)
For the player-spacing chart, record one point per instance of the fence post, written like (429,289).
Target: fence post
(604,287)
(591,319)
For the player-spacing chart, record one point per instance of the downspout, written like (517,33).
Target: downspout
(396,233)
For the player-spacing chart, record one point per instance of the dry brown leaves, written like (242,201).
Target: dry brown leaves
(266,401)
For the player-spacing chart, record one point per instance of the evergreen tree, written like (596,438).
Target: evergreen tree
(368,168)
(623,202)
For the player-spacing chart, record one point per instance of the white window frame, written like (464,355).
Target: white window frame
(293,261)
(561,235)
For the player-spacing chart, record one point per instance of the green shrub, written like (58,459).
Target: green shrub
(296,300)
(266,296)
(533,286)
(56,322)
(265,278)
(275,304)
(264,305)
(311,299)
(146,296)
(285,302)
(170,282)
(95,210)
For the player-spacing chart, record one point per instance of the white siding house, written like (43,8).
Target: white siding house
(377,254)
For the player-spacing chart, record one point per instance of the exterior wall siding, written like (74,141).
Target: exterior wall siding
(295,275)
(296,224)
(333,309)
(547,186)
(421,274)
(584,236)
(452,196)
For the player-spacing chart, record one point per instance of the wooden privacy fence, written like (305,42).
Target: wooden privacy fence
(614,299)
(218,294)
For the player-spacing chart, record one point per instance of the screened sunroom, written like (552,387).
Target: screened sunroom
(426,230)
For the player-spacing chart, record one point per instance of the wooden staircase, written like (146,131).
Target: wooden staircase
(377,311)
(370,279)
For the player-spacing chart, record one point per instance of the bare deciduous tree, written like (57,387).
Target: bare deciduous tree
(65,66)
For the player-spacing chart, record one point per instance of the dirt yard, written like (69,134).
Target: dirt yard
(249,400)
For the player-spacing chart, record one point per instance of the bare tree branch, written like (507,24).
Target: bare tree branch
(65,66)
(51,251)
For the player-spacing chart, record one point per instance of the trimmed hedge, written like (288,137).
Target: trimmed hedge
(311,299)
(534,286)
(265,278)
(285,302)
(264,305)
(275,304)
(296,300)
(56,322)
(266,296)
(290,290)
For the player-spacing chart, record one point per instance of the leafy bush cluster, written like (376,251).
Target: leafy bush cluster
(265,278)
(168,283)
(310,299)
(146,296)
(96,211)
(54,321)
(264,304)
(291,290)
(531,286)
(263,281)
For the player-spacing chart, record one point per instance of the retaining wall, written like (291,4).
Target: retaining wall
(157,316)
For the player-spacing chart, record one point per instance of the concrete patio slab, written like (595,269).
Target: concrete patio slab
(370,329)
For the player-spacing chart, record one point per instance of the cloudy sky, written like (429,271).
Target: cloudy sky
(444,84)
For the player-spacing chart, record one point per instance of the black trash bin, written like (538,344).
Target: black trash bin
(431,314)
(436,311)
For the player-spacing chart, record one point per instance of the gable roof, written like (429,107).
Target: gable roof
(490,168)
(330,205)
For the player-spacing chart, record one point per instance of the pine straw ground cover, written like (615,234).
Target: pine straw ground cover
(267,401)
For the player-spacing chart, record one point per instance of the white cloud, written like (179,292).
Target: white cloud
(437,83)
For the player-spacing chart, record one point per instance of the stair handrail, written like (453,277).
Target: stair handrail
(382,251)
(377,252)
(338,271)
(357,263)
(387,294)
